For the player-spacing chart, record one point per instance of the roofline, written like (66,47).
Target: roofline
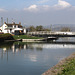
(11,24)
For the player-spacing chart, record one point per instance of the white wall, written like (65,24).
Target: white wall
(3,28)
(24,30)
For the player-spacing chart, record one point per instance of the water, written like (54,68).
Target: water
(20,58)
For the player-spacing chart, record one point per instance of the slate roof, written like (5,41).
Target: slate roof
(14,24)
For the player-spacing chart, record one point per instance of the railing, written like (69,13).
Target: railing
(50,33)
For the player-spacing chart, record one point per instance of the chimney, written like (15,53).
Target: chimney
(1,20)
(19,23)
(13,22)
(4,22)
(7,20)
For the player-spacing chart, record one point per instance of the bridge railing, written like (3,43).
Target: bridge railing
(50,32)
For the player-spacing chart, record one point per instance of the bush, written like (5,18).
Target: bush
(6,37)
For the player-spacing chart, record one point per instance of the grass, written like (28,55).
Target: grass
(64,67)
(25,37)
(68,68)
(6,36)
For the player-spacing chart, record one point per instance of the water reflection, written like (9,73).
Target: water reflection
(16,47)
(66,39)
(31,58)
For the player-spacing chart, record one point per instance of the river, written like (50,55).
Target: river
(20,58)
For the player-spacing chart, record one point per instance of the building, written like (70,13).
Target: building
(13,28)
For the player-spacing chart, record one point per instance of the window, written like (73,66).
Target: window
(9,25)
(19,26)
(14,26)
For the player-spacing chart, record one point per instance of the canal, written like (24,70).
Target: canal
(20,58)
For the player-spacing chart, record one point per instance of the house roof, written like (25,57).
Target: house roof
(9,24)
(14,24)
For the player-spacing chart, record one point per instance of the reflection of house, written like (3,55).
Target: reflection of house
(12,28)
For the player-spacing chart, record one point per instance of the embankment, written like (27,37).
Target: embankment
(4,37)
(64,67)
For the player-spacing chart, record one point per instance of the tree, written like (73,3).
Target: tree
(39,28)
(32,28)
(65,29)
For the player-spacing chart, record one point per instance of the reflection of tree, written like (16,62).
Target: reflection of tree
(18,46)
(6,45)
(34,46)
(39,49)
(29,46)
(66,38)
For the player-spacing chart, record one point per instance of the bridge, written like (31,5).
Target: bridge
(52,34)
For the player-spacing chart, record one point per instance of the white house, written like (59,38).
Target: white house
(13,28)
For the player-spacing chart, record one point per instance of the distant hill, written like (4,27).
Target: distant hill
(58,27)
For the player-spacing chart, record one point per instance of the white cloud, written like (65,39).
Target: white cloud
(35,8)
(62,4)
(32,8)
(2,10)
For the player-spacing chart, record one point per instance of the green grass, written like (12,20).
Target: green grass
(69,68)
(6,36)
(25,37)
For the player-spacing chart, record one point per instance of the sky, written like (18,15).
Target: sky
(38,12)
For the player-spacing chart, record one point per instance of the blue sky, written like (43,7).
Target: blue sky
(20,4)
(36,12)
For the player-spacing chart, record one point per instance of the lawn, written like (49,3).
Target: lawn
(25,37)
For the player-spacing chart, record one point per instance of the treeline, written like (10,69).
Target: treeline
(41,28)
(38,28)
(65,29)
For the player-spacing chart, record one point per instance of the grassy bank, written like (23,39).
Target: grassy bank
(25,37)
(14,37)
(68,67)
(6,37)
(64,67)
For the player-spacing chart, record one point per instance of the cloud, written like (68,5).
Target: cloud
(2,10)
(62,4)
(37,8)
(32,8)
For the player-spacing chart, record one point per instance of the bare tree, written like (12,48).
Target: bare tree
(65,29)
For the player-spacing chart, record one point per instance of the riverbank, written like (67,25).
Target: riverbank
(25,37)
(4,37)
(64,67)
